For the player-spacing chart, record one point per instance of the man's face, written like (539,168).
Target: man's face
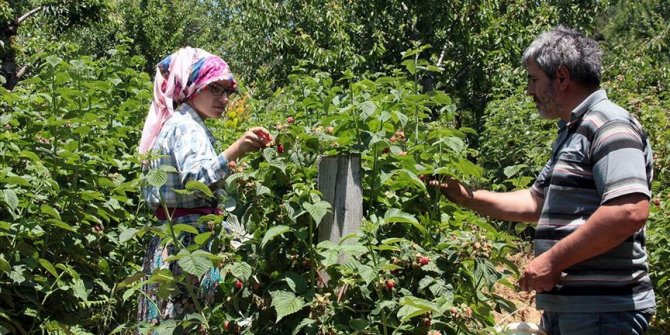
(212,100)
(543,91)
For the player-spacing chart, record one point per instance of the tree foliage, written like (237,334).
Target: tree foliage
(54,16)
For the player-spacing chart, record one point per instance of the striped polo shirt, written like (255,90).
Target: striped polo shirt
(599,155)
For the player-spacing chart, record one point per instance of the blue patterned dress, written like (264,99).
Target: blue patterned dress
(186,144)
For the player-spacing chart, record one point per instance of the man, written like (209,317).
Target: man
(590,201)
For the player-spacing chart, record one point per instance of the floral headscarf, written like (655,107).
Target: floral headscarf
(178,76)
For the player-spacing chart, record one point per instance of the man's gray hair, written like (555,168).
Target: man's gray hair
(564,46)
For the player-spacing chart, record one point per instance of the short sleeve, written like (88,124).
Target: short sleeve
(618,160)
(539,187)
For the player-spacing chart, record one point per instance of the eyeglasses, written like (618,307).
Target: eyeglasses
(218,90)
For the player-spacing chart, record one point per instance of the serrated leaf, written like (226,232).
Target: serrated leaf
(127,234)
(410,65)
(240,270)
(195,263)
(296,282)
(168,169)
(11,199)
(413,306)
(182,227)
(454,143)
(79,289)
(396,215)
(274,232)
(53,60)
(156,178)
(4,265)
(15,180)
(304,323)
(317,211)
(48,266)
(194,185)
(30,155)
(62,225)
(367,109)
(367,273)
(262,189)
(202,238)
(359,324)
(469,168)
(46,209)
(286,303)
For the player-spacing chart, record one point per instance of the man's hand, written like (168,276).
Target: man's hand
(540,275)
(521,206)
(452,189)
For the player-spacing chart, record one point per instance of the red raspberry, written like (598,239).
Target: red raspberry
(239,284)
(290,120)
(390,284)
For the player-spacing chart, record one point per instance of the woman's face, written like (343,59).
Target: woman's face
(211,101)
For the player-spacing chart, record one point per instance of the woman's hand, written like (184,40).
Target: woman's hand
(252,140)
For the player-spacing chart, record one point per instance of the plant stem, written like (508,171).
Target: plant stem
(416,91)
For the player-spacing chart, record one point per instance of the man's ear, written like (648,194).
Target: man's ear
(563,76)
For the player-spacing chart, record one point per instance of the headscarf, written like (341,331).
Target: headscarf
(178,76)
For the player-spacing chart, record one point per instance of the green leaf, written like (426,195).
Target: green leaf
(49,267)
(30,155)
(16,181)
(182,227)
(359,324)
(367,109)
(274,232)
(410,65)
(512,170)
(413,306)
(396,215)
(53,61)
(196,263)
(62,225)
(367,273)
(127,234)
(131,279)
(469,168)
(454,143)
(194,185)
(168,169)
(317,210)
(11,199)
(156,178)
(296,282)
(46,209)
(79,290)
(306,322)
(286,303)
(4,265)
(202,238)
(240,270)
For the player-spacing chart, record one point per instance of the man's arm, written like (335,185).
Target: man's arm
(520,206)
(610,225)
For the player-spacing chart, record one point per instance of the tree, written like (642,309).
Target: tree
(58,15)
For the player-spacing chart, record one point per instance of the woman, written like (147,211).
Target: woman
(190,86)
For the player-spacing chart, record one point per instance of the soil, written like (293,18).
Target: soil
(524,301)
